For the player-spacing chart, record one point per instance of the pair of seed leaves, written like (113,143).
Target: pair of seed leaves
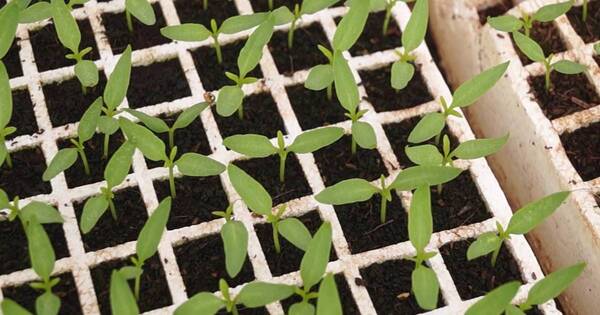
(499,300)
(258,294)
(548,13)
(6,108)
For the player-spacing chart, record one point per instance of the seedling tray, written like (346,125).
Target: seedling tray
(553,139)
(369,259)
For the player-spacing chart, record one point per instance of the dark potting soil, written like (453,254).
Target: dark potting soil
(66,102)
(263,5)
(290,257)
(477,277)
(131,216)
(437,58)
(14,254)
(583,150)
(266,172)
(261,116)
(152,78)
(389,285)
(304,53)
(212,74)
(23,117)
(153,289)
(203,275)
(50,54)
(494,10)
(336,163)
(590,29)
(385,98)
(28,167)
(568,94)
(372,39)
(348,304)
(94,148)
(192,11)
(371,233)
(65,290)
(548,36)
(313,109)
(197,198)
(143,36)
(12,61)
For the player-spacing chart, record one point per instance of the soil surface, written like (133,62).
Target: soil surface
(152,78)
(493,11)
(548,36)
(567,95)
(12,61)
(28,167)
(153,288)
(372,38)
(590,29)
(131,217)
(192,11)
(583,150)
(304,53)
(23,117)
(313,109)
(65,290)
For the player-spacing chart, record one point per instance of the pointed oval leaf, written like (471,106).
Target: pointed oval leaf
(36,12)
(345,85)
(63,159)
(6,103)
(313,140)
(505,23)
(569,67)
(47,304)
(420,221)
(252,192)
(201,303)
(239,23)
(426,154)
(87,73)
(402,73)
(468,92)
(301,308)
(314,262)
(189,115)
(257,294)
(194,164)
(9,306)
(229,100)
(478,148)
(108,125)
(89,121)
(66,26)
(235,244)
(119,165)
(554,284)
(251,53)
(255,146)
(40,248)
(314,6)
(122,300)
(364,135)
(93,209)
(347,191)
(295,232)
(147,243)
(496,300)
(187,32)
(43,213)
(428,127)
(141,10)
(485,244)
(415,176)
(550,12)
(426,287)
(351,26)
(531,215)
(151,146)
(9,15)
(414,34)
(529,47)
(329,298)
(118,82)
(155,124)
(319,77)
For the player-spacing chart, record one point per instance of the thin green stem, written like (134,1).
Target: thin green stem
(270,5)
(353,145)
(234,310)
(8,160)
(106,143)
(282,159)
(585,11)
(172,181)
(205,5)
(276,238)
(547,77)
(129,21)
(291,33)
(171,138)
(330,92)
(527,30)
(217,47)
(241,112)
(84,89)
(383,212)
(113,210)
(386,20)
(137,285)
(86,165)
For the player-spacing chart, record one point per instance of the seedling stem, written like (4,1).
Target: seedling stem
(330,92)
(386,194)
(270,5)
(548,66)
(293,26)
(274,220)
(82,155)
(8,160)
(205,4)
(585,10)
(388,14)
(129,21)
(215,36)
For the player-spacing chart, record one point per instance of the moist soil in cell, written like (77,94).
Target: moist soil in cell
(152,78)
(494,10)
(589,30)
(28,167)
(192,11)
(303,54)
(23,117)
(372,38)
(583,149)
(313,109)
(12,61)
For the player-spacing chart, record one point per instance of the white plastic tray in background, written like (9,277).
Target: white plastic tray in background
(533,163)
(80,262)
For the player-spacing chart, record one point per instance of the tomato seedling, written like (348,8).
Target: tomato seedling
(545,14)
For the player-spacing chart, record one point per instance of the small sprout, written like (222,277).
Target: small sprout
(235,242)
(157,125)
(189,164)
(41,212)
(307,7)
(6,109)
(65,158)
(141,10)
(259,201)
(358,190)
(523,221)
(535,52)
(114,174)
(548,13)
(257,146)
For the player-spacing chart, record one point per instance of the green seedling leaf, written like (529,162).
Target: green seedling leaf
(229,100)
(364,135)
(295,232)
(201,303)
(315,259)
(485,244)
(189,115)
(89,121)
(597,48)
(426,287)
(150,145)
(302,308)
(108,125)
(313,140)
(63,159)
(554,284)
(40,248)
(345,85)
(347,191)
(319,77)
(569,67)
(9,15)
(119,164)
(6,103)
(314,6)
(235,244)
(416,176)
(66,26)
(187,32)
(468,92)
(252,192)
(255,146)
(43,213)
(529,47)
(282,15)
(93,210)
(416,28)
(194,164)
(474,149)
(531,215)
(252,51)
(426,154)
(147,243)
(257,294)
(87,73)
(36,12)
(155,124)
(11,307)
(550,12)
(351,26)
(329,298)
(496,300)
(420,221)
(141,10)
(239,23)
(4,202)
(402,73)
(130,272)
(122,300)
(118,83)
(505,23)
(428,127)
(47,304)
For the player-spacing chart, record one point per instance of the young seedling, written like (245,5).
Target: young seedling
(523,221)
(141,10)
(157,125)
(359,190)
(548,13)
(6,108)
(65,158)
(147,244)
(189,164)
(43,10)
(534,51)
(41,212)
(307,7)
(499,299)
(190,32)
(259,201)
(235,242)
(257,146)
(114,174)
